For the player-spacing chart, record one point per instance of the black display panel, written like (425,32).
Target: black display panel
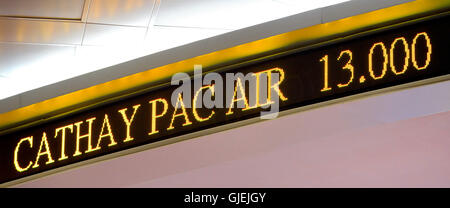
(382,59)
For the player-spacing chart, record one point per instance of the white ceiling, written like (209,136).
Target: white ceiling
(79,36)
(56,9)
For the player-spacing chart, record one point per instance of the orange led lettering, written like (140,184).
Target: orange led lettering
(194,103)
(347,66)
(128,121)
(385,63)
(44,143)
(16,154)
(234,99)
(391,54)
(183,113)
(109,134)
(154,115)
(63,139)
(325,80)
(88,136)
(428,42)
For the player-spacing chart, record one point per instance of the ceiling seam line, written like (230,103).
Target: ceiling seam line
(188,27)
(153,14)
(108,24)
(40,44)
(85,25)
(152,20)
